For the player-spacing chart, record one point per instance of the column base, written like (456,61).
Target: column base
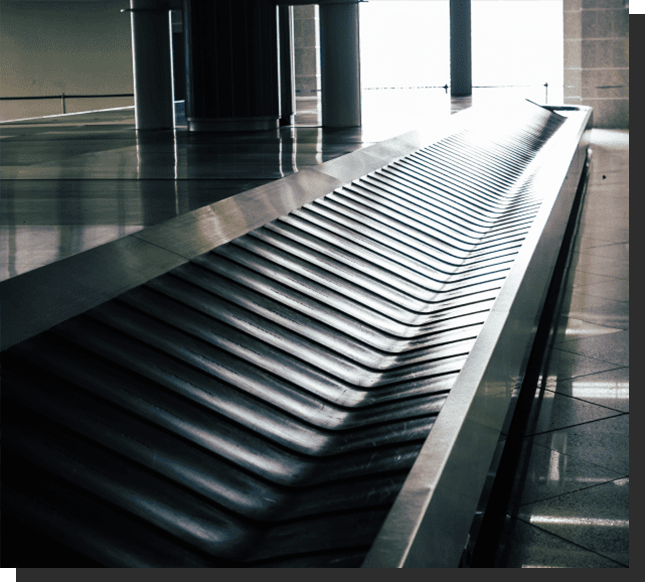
(287,120)
(232,124)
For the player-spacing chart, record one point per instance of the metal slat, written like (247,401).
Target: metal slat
(262,404)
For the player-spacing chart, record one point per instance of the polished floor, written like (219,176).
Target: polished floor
(72,183)
(570,503)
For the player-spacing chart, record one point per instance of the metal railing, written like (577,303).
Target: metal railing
(63,97)
(447,86)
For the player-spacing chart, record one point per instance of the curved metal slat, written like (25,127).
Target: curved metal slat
(262,404)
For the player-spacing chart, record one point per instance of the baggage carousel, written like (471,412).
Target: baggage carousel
(317,377)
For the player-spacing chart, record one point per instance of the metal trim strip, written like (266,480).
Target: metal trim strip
(428,524)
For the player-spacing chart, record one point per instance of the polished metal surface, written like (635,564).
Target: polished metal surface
(430,520)
(262,402)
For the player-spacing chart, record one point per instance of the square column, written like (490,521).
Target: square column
(340,65)
(461,62)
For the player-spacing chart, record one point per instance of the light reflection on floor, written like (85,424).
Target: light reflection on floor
(74,182)
(570,504)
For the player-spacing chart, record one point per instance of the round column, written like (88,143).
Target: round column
(340,65)
(461,68)
(151,65)
(287,66)
(231,65)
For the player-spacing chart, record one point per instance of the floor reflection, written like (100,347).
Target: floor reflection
(570,502)
(91,178)
(72,183)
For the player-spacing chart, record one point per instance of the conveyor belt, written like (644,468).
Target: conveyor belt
(262,404)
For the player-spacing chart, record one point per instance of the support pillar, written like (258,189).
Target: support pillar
(151,64)
(287,66)
(231,65)
(461,75)
(340,65)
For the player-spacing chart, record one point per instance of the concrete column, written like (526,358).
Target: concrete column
(340,65)
(151,64)
(306,33)
(232,79)
(596,59)
(287,66)
(461,73)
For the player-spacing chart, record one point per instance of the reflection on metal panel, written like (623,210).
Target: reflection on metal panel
(262,404)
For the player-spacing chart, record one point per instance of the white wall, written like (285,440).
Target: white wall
(78,47)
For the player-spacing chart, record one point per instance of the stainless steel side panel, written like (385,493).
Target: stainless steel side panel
(430,519)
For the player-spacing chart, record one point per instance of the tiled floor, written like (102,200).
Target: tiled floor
(570,504)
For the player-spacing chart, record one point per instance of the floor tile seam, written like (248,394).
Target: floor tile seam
(607,238)
(594,373)
(587,402)
(591,252)
(590,402)
(572,492)
(604,241)
(577,353)
(616,366)
(618,474)
(579,458)
(568,541)
(618,414)
(586,422)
